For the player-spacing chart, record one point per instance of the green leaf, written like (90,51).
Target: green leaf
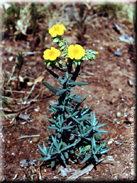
(105,150)
(54,74)
(76,120)
(55,40)
(43,152)
(66,155)
(48,64)
(72,137)
(63,47)
(43,159)
(69,146)
(84,117)
(61,43)
(93,142)
(77,99)
(52,127)
(52,163)
(97,136)
(55,141)
(52,122)
(45,149)
(77,83)
(60,92)
(102,125)
(67,127)
(87,157)
(95,157)
(50,87)
(63,158)
(85,111)
(102,131)
(86,148)
(51,109)
(97,149)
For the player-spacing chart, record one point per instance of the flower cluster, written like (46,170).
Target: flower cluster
(72,54)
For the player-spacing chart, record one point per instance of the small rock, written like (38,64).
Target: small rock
(114,120)
(35,139)
(130,83)
(118,53)
(117,142)
(119,114)
(118,122)
(37,109)
(27,162)
(110,141)
(24,46)
(11,58)
(113,101)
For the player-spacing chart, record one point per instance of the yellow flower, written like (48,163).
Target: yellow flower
(76,52)
(96,52)
(57,30)
(51,54)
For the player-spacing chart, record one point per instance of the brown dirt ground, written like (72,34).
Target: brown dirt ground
(111,89)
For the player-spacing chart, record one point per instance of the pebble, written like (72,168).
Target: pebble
(119,114)
(128,60)
(24,46)
(35,139)
(118,122)
(130,83)
(118,53)
(113,101)
(114,120)
(101,48)
(11,58)
(110,141)
(117,142)
(37,109)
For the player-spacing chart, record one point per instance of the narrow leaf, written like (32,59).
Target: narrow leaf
(77,83)
(95,157)
(102,125)
(66,155)
(105,150)
(86,158)
(44,152)
(54,74)
(52,163)
(50,87)
(76,99)
(52,127)
(86,148)
(60,92)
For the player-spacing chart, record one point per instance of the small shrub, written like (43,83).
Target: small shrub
(74,132)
